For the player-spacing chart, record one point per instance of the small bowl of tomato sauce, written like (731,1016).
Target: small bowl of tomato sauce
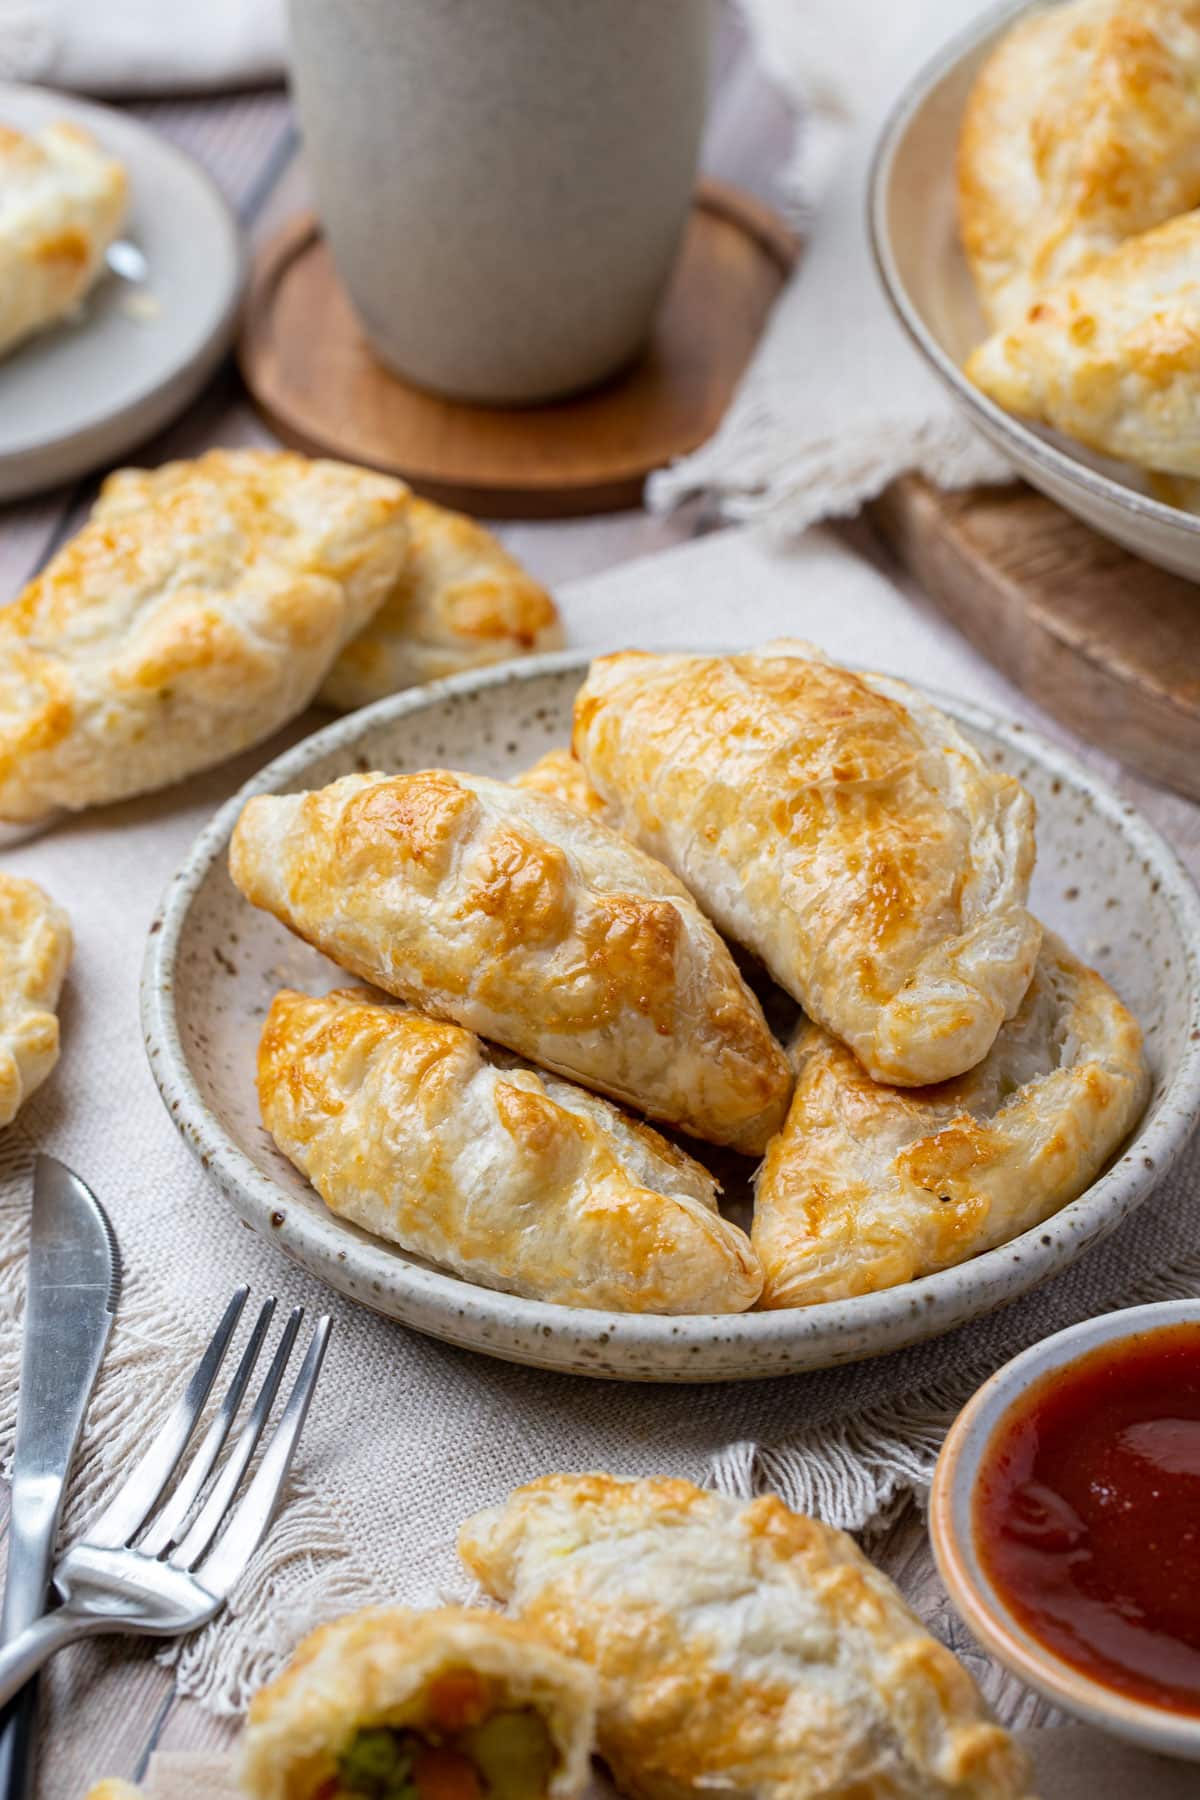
(1065,1518)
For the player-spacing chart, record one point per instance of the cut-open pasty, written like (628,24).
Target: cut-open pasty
(560,774)
(393,1704)
(418,1132)
(195,613)
(867,1187)
(62,201)
(460,601)
(516,916)
(1112,357)
(839,826)
(1082,130)
(35,948)
(741,1648)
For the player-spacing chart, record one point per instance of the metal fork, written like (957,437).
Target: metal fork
(177,1574)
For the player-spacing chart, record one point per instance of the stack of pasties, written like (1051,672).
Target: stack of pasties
(960,1077)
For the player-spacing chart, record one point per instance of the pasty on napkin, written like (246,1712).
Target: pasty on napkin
(62,201)
(839,826)
(560,774)
(460,601)
(740,1647)
(35,948)
(195,613)
(516,916)
(867,1187)
(1112,357)
(419,1133)
(392,1704)
(1083,129)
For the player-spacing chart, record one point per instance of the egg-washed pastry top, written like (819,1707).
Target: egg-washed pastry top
(394,1704)
(418,1132)
(513,914)
(839,826)
(1083,129)
(460,601)
(1112,356)
(867,1187)
(195,613)
(740,1647)
(62,202)
(560,774)
(35,948)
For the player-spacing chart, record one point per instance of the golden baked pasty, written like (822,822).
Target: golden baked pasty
(560,774)
(516,916)
(194,614)
(35,948)
(62,202)
(114,1790)
(460,601)
(1082,130)
(1112,357)
(741,1648)
(839,826)
(419,1133)
(867,1187)
(393,1704)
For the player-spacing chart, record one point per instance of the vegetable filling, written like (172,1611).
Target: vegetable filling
(505,1756)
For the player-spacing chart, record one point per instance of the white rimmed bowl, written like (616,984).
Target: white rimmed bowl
(914,234)
(951,1527)
(1105,880)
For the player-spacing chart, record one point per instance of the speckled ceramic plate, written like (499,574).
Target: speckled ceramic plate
(88,390)
(1104,879)
(913,223)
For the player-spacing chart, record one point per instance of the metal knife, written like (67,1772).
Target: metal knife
(72,1283)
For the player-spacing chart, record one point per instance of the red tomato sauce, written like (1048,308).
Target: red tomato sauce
(1087,1515)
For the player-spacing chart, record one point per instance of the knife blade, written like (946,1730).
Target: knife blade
(72,1284)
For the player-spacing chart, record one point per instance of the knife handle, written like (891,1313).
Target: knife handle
(18,1744)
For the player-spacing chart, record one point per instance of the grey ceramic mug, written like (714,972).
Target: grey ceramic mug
(503,183)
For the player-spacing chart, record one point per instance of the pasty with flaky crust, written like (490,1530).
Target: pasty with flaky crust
(454,1702)
(35,948)
(419,1133)
(461,600)
(62,201)
(867,1187)
(839,826)
(114,1790)
(518,917)
(195,613)
(741,1648)
(560,774)
(1112,357)
(1082,130)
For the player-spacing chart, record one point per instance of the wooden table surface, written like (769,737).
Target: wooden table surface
(122,1705)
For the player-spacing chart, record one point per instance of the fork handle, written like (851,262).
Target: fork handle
(35,1645)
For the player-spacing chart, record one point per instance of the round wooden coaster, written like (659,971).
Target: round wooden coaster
(306,362)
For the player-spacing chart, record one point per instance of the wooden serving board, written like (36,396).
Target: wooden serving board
(1105,642)
(307,365)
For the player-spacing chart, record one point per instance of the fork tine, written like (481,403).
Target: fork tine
(250,1518)
(207,1522)
(171,1517)
(140,1491)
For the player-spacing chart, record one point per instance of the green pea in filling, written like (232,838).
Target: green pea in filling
(507,1756)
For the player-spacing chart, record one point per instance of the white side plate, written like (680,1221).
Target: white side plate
(81,394)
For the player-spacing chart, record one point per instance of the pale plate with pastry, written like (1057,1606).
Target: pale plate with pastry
(92,363)
(935,184)
(440,1109)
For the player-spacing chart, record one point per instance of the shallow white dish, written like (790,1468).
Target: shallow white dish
(951,1526)
(213,963)
(914,233)
(83,393)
